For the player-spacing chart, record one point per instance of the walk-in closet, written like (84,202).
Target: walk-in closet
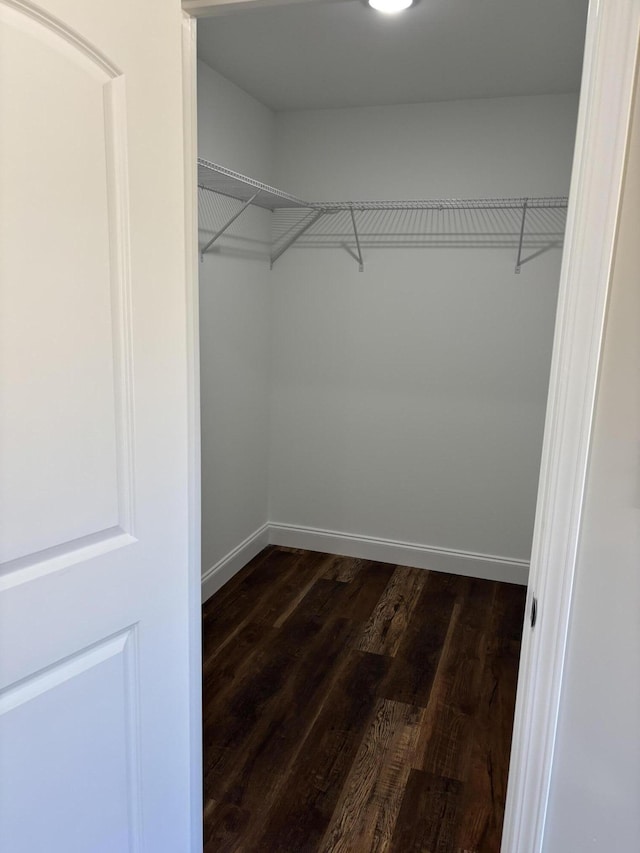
(382,209)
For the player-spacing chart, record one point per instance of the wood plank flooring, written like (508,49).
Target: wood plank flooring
(357,707)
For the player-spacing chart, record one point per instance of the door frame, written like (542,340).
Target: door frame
(190,154)
(602,137)
(606,100)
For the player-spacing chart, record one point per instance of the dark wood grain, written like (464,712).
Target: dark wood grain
(260,725)
(429,814)
(343,568)
(482,811)
(308,799)
(416,662)
(357,706)
(386,627)
(267,594)
(366,813)
(454,702)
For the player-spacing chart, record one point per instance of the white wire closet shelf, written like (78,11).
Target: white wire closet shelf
(534,224)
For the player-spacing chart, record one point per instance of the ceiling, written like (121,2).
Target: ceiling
(343,54)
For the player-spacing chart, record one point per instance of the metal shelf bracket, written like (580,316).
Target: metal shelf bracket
(305,227)
(355,232)
(522,224)
(228,224)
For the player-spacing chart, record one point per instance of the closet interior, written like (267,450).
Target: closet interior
(382,207)
(373,372)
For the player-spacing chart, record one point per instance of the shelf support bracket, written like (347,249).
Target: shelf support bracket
(228,224)
(297,234)
(522,224)
(355,232)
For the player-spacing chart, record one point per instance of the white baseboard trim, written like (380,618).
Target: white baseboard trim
(226,568)
(465,563)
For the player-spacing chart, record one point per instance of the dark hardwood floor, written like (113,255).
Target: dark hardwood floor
(353,706)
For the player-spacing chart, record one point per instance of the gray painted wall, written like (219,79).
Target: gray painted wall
(595,795)
(237,131)
(408,401)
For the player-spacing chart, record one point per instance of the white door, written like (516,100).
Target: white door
(94,639)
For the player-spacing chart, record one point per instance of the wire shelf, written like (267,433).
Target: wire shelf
(522,222)
(223,181)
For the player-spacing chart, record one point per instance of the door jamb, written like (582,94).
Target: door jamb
(190,153)
(610,57)
(606,101)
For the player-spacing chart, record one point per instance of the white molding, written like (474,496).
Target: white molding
(466,563)
(602,134)
(61,29)
(190,134)
(208,8)
(33,566)
(115,103)
(226,568)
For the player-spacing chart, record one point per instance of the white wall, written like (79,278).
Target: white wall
(595,792)
(238,132)
(408,401)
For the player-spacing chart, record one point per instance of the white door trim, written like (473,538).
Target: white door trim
(594,204)
(207,8)
(190,117)
(613,32)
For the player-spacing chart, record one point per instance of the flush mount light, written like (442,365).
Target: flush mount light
(390,7)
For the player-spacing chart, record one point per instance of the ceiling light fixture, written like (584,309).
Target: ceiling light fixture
(390,7)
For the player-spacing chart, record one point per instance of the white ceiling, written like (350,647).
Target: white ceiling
(344,54)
